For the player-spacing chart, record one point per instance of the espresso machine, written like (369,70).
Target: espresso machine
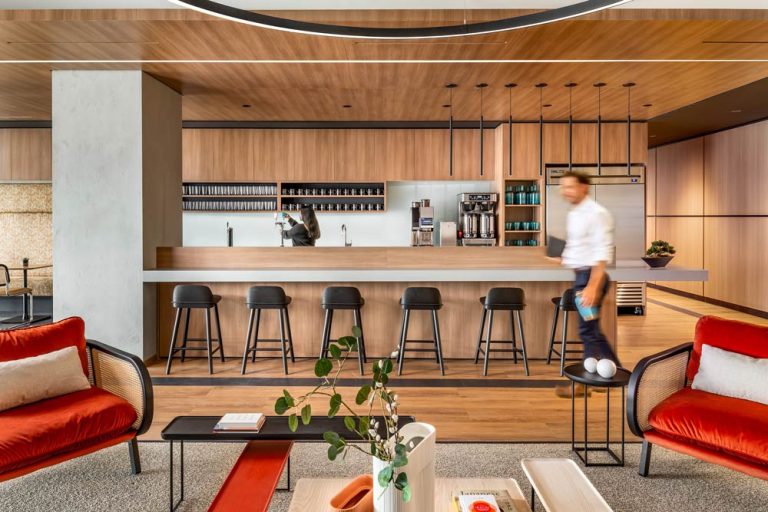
(422,224)
(477,218)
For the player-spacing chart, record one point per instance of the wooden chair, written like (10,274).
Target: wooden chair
(16,292)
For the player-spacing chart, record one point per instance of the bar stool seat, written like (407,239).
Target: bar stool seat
(567,304)
(422,299)
(346,298)
(268,297)
(502,299)
(188,297)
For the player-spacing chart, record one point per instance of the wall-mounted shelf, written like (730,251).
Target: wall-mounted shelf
(522,203)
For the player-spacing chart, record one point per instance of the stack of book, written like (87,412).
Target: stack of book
(483,501)
(240,422)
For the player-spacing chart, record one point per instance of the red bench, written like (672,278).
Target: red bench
(254,477)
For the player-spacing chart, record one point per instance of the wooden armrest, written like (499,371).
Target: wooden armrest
(124,375)
(653,380)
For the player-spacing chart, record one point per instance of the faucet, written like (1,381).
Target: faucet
(344,231)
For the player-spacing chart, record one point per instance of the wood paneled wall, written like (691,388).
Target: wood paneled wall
(709,201)
(25,154)
(398,154)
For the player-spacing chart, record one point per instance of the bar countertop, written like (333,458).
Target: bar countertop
(382,264)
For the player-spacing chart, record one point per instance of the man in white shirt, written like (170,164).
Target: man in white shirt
(588,249)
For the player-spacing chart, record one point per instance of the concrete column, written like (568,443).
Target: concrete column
(116,197)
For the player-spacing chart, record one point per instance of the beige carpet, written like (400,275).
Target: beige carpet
(101,481)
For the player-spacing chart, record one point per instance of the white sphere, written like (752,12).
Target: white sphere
(606,368)
(590,364)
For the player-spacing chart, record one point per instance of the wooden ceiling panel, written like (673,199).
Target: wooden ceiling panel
(389,90)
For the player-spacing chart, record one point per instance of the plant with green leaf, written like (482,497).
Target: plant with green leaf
(660,248)
(378,428)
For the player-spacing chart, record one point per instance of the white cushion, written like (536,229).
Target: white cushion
(32,379)
(730,374)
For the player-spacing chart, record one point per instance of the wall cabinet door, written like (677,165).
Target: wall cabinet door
(270,148)
(309,156)
(25,154)
(466,154)
(198,149)
(585,143)
(217,155)
(736,171)
(614,143)
(525,150)
(679,178)
(556,143)
(686,234)
(394,154)
(431,154)
(354,155)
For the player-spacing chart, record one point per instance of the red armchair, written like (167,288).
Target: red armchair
(117,408)
(664,410)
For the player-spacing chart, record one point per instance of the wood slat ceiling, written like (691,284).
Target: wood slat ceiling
(389,90)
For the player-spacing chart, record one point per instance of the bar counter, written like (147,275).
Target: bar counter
(463,275)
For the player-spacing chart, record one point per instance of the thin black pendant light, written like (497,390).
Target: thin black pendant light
(481,86)
(570,86)
(599,86)
(450,88)
(541,87)
(629,86)
(527,20)
(509,87)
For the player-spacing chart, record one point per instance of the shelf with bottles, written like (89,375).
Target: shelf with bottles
(332,190)
(521,242)
(522,193)
(228,204)
(346,204)
(228,190)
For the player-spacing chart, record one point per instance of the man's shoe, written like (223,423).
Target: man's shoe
(564,391)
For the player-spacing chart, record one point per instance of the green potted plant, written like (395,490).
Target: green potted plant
(659,254)
(377,431)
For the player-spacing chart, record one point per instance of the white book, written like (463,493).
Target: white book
(251,422)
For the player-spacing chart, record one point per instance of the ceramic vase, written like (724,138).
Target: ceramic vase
(419,439)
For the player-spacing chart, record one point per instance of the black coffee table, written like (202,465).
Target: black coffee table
(200,429)
(577,373)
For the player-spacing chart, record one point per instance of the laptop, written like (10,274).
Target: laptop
(555,246)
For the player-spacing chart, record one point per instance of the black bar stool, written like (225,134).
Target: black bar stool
(566,304)
(268,297)
(343,297)
(502,299)
(424,299)
(188,297)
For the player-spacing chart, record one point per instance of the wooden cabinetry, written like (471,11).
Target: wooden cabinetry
(466,154)
(686,234)
(395,154)
(584,143)
(736,171)
(431,155)
(525,150)
(309,155)
(650,184)
(614,143)
(25,154)
(734,253)
(556,143)
(679,178)
(353,155)
(217,155)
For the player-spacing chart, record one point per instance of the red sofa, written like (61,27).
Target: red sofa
(664,410)
(116,409)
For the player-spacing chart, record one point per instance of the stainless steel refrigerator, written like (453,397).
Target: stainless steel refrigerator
(622,192)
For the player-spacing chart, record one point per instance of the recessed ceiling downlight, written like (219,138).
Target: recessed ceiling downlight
(527,20)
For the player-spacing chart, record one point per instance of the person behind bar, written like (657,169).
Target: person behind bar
(303,234)
(588,249)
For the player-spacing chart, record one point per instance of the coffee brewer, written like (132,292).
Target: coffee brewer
(477,218)
(422,224)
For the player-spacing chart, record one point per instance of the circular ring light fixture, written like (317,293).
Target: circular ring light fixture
(528,20)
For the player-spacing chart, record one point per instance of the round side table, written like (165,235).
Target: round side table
(577,374)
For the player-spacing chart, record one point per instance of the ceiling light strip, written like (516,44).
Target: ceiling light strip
(272,22)
(383,61)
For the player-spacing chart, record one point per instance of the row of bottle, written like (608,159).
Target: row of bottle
(232,189)
(531,242)
(335,190)
(522,194)
(337,207)
(226,205)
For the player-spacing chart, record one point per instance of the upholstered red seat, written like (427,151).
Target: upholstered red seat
(720,423)
(37,431)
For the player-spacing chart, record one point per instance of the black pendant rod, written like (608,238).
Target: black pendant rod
(629,86)
(599,87)
(450,88)
(570,86)
(541,87)
(481,87)
(510,86)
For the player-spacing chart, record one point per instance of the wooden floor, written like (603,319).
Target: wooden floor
(511,407)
